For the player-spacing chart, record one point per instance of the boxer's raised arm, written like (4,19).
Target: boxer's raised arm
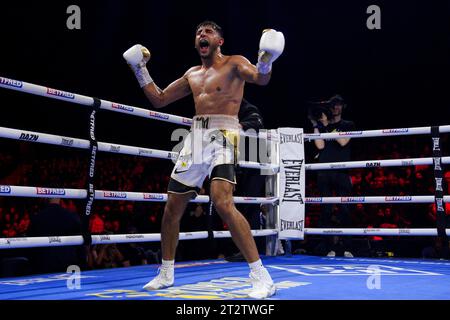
(249,73)
(271,46)
(176,90)
(137,58)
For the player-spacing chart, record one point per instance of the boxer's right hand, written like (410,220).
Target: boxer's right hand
(137,57)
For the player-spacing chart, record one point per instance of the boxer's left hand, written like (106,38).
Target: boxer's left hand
(271,46)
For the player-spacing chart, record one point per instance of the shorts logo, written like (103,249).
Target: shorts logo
(51,191)
(11,83)
(5,189)
(59,93)
(158,115)
(122,107)
(114,195)
(201,123)
(183,167)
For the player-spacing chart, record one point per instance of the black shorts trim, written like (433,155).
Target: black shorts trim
(180,188)
(225,172)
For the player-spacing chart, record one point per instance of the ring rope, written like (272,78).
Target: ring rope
(42,192)
(59,241)
(75,98)
(376,133)
(45,138)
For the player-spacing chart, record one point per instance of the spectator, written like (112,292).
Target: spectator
(55,221)
(327,117)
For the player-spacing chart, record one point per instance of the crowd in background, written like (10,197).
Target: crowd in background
(128,173)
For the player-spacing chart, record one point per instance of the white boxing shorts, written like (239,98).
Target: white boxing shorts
(210,149)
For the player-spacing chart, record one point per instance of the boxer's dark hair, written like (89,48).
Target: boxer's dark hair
(212,24)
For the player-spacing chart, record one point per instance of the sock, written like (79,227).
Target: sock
(256,265)
(168,264)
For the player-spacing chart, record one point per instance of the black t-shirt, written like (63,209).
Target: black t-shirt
(333,151)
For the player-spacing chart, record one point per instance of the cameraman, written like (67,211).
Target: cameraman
(327,117)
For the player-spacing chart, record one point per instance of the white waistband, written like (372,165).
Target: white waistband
(215,121)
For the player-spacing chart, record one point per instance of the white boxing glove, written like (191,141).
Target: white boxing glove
(137,57)
(271,46)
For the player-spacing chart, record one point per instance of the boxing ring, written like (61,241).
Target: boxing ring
(296,277)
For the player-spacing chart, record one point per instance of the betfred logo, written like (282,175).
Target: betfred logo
(314,200)
(51,191)
(249,199)
(158,115)
(5,189)
(151,196)
(59,93)
(400,130)
(114,195)
(350,133)
(122,107)
(352,199)
(187,121)
(398,198)
(11,83)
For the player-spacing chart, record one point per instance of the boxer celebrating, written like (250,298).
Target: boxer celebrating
(217,86)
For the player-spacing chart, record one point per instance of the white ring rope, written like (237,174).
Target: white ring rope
(32,242)
(38,137)
(373,199)
(137,196)
(75,98)
(42,192)
(30,88)
(374,163)
(376,133)
(373,231)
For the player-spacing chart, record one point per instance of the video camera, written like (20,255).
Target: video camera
(315,109)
